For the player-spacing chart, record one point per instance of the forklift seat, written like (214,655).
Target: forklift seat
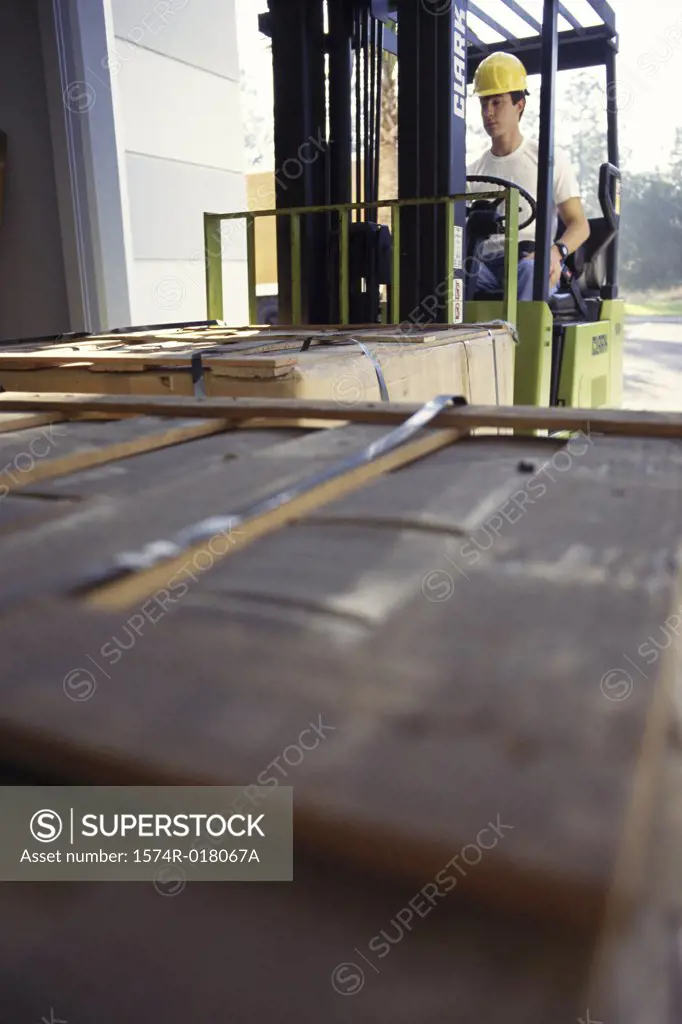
(580,294)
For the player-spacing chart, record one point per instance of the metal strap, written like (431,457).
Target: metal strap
(507,326)
(196,368)
(138,328)
(497,388)
(198,376)
(381,380)
(466,360)
(383,390)
(158,551)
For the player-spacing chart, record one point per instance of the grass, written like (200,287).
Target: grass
(654,303)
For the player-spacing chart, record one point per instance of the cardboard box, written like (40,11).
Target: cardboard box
(340,365)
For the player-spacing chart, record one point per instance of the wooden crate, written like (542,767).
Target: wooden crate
(408,364)
(464,615)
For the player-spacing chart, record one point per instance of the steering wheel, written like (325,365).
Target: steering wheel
(494,203)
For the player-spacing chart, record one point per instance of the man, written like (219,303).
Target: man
(501,84)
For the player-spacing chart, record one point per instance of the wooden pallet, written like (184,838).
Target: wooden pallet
(401,363)
(464,615)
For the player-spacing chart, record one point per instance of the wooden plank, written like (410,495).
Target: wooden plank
(423,699)
(449,491)
(411,372)
(20,513)
(524,418)
(61,559)
(228,345)
(75,446)
(454,961)
(47,359)
(138,475)
(415,689)
(409,334)
(93,341)
(257,525)
(130,362)
(227,366)
(67,349)
(461,493)
(637,972)
(442,714)
(12,421)
(623,538)
(103,355)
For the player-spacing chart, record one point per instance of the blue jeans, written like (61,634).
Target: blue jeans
(491,274)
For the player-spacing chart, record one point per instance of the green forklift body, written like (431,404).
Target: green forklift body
(533,353)
(587,357)
(592,364)
(613,310)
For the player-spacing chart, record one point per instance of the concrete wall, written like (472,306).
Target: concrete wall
(175,77)
(124,127)
(33,294)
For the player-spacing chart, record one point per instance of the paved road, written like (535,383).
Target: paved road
(653,365)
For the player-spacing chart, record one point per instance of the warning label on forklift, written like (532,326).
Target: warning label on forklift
(459,301)
(459,247)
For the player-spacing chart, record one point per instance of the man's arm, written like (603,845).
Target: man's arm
(577,232)
(577,225)
(570,208)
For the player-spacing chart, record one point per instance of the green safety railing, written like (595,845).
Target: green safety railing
(213,252)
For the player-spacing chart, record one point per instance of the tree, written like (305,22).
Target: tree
(651,231)
(388,134)
(676,160)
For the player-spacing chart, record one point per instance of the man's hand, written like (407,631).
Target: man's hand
(555,267)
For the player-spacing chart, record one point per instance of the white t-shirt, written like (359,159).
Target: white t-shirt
(521,167)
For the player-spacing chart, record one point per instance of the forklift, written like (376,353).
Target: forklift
(327,71)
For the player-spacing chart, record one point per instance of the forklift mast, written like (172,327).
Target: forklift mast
(432,62)
(327,63)
(327,73)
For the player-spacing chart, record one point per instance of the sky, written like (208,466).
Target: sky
(649,67)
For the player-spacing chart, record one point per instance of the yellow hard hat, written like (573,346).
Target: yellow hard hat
(500,73)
